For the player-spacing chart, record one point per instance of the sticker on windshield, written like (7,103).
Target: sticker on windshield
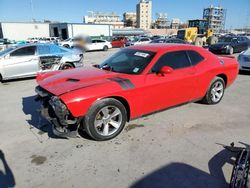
(141,54)
(136,70)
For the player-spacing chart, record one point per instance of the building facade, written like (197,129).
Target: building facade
(64,30)
(104,18)
(144,14)
(216,17)
(129,19)
(175,23)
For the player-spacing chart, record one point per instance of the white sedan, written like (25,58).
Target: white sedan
(26,60)
(98,44)
(244,60)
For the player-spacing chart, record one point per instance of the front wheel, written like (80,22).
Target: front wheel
(105,48)
(230,50)
(66,66)
(105,119)
(215,91)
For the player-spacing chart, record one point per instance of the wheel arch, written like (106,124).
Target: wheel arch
(124,102)
(224,77)
(67,62)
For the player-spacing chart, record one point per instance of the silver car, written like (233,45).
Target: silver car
(26,60)
(244,60)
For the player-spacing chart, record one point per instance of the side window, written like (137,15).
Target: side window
(99,41)
(195,57)
(25,51)
(175,60)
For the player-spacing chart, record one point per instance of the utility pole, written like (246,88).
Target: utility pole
(32,10)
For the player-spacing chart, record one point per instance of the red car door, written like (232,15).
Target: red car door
(177,87)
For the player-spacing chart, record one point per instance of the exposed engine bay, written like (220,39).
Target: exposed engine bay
(49,62)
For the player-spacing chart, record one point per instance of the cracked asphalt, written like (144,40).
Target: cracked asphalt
(174,148)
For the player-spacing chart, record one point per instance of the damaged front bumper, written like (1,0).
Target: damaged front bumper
(56,112)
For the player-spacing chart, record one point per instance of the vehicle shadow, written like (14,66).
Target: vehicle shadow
(6,176)
(31,107)
(241,72)
(179,175)
(7,82)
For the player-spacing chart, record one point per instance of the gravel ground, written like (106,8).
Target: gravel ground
(173,148)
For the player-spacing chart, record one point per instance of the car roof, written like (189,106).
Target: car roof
(164,46)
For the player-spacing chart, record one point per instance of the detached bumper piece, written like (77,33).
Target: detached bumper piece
(56,112)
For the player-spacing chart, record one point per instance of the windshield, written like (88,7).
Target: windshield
(128,61)
(7,50)
(225,39)
(134,39)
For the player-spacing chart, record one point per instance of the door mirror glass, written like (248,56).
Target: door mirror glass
(166,70)
(235,40)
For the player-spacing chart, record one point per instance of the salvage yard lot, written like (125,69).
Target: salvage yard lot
(175,148)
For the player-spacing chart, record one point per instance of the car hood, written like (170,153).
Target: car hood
(219,45)
(61,82)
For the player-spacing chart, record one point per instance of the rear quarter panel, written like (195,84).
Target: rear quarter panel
(214,66)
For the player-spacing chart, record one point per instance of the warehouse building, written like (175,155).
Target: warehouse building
(24,30)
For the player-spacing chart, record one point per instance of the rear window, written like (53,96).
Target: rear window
(195,57)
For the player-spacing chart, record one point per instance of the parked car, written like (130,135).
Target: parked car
(138,41)
(55,40)
(169,40)
(135,81)
(4,41)
(230,45)
(118,42)
(75,42)
(26,60)
(97,44)
(244,60)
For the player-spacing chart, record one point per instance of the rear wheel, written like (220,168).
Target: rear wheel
(212,40)
(1,78)
(66,46)
(215,91)
(105,48)
(198,41)
(105,119)
(66,66)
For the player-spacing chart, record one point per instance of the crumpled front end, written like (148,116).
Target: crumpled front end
(56,112)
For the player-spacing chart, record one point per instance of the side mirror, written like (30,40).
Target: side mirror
(166,70)
(7,56)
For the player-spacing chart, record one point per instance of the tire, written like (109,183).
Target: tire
(1,78)
(66,46)
(105,48)
(215,92)
(198,42)
(230,50)
(212,40)
(100,127)
(66,66)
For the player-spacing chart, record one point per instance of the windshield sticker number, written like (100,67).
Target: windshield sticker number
(141,54)
(136,70)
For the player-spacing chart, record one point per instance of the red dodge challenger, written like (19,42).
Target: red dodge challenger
(134,82)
